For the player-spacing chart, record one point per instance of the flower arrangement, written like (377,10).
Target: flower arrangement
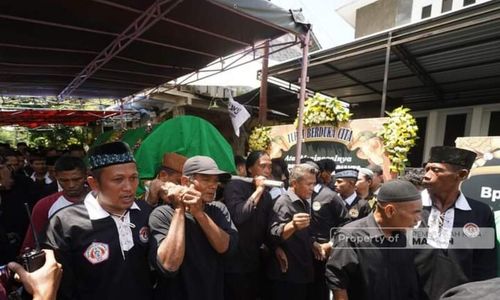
(259,139)
(399,136)
(324,110)
(137,145)
(117,135)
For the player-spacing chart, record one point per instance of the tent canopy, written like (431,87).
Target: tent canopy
(186,135)
(39,117)
(115,48)
(452,60)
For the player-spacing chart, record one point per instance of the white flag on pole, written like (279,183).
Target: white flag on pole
(238,114)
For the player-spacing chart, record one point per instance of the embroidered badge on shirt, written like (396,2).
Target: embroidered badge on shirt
(144,234)
(471,230)
(97,253)
(354,213)
(316,206)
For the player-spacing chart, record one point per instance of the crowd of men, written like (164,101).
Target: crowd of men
(198,234)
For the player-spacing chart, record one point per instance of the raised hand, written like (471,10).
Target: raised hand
(301,221)
(191,198)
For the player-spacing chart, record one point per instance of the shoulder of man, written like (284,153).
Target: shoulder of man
(219,213)
(356,225)
(217,206)
(144,206)
(235,183)
(45,203)
(162,211)
(480,209)
(478,205)
(62,224)
(71,211)
(238,189)
(282,200)
(331,194)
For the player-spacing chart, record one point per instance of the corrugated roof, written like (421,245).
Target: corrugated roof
(115,48)
(452,60)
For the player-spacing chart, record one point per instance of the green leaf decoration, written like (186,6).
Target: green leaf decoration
(399,135)
(259,139)
(321,110)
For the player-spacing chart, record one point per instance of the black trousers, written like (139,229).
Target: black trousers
(283,290)
(319,288)
(244,286)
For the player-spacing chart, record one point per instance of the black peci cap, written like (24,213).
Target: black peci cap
(109,154)
(398,191)
(453,156)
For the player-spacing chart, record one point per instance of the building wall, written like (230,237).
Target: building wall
(436,7)
(385,14)
(376,17)
(478,123)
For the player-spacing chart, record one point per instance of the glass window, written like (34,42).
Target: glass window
(415,156)
(426,11)
(455,127)
(469,2)
(494,128)
(446,6)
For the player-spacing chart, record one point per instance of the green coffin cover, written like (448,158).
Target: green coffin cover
(132,136)
(186,135)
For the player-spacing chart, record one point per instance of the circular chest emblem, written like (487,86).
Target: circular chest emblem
(316,206)
(471,230)
(354,213)
(97,253)
(144,234)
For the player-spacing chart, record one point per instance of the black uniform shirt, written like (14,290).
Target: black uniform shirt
(298,247)
(370,266)
(358,208)
(252,223)
(201,274)
(328,213)
(442,269)
(477,264)
(86,242)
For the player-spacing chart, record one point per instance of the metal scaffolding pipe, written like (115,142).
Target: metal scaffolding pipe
(302,95)
(386,75)
(263,85)
(146,20)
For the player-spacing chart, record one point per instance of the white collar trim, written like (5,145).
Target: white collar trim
(46,178)
(349,200)
(461,202)
(96,211)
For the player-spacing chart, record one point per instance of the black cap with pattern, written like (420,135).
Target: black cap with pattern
(398,191)
(347,173)
(109,154)
(452,155)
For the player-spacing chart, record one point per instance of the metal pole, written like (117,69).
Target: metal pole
(122,121)
(302,95)
(386,74)
(263,85)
